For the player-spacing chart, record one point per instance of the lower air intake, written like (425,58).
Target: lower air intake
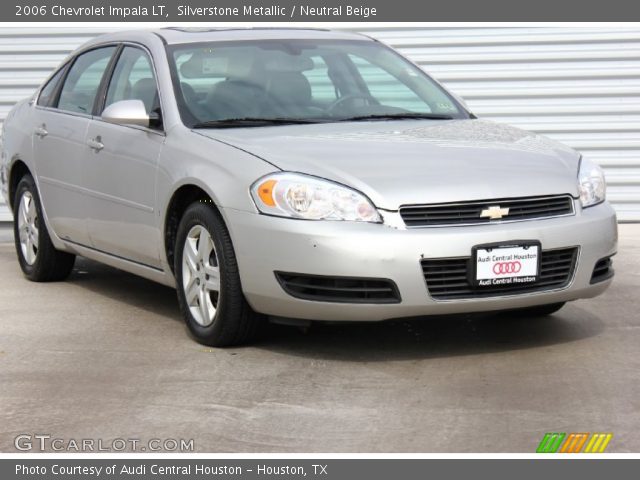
(603,270)
(448,278)
(321,288)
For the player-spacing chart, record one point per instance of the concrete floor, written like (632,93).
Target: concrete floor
(105,355)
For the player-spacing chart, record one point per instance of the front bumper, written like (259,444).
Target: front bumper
(266,244)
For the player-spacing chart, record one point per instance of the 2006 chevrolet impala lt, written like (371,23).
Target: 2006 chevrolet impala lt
(296,174)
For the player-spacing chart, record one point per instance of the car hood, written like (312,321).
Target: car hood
(406,162)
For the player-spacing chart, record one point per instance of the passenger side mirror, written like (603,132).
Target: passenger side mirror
(127,112)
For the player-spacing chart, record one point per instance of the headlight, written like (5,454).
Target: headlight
(591,183)
(302,196)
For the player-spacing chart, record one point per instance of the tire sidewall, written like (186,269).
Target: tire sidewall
(203,215)
(28,185)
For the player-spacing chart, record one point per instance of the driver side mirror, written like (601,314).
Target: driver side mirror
(127,112)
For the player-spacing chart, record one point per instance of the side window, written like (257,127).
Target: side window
(322,88)
(133,79)
(83,81)
(48,91)
(385,88)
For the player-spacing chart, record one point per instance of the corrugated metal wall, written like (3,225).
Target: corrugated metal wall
(577,85)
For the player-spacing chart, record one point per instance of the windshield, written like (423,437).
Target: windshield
(303,81)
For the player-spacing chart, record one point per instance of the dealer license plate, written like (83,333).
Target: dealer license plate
(506,265)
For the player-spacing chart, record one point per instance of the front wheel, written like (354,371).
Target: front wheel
(38,258)
(208,281)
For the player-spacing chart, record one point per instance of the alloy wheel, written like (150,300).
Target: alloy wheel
(200,275)
(28,228)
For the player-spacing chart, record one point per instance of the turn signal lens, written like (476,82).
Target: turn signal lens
(265,192)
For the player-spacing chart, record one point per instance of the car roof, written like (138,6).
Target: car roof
(178,35)
(187,35)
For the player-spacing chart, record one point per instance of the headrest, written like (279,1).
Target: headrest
(290,87)
(145,90)
(145,84)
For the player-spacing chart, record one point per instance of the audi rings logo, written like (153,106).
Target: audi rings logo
(503,268)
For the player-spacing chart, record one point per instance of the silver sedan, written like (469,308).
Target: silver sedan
(298,175)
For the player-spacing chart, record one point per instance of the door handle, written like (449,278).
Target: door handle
(41,131)
(96,144)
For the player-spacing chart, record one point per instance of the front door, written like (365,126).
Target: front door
(121,169)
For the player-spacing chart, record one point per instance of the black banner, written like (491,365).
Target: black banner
(317,11)
(312,469)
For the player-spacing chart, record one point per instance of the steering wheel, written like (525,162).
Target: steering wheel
(348,97)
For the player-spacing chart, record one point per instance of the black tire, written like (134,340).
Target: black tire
(542,310)
(234,322)
(50,265)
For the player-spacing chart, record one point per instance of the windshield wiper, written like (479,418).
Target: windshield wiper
(263,122)
(399,116)
(251,122)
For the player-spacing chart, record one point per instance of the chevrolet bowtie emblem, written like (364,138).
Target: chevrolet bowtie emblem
(494,212)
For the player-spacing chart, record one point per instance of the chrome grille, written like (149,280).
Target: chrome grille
(448,278)
(469,213)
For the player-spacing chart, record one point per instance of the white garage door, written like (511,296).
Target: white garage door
(577,85)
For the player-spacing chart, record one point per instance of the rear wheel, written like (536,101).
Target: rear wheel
(208,281)
(541,310)
(38,258)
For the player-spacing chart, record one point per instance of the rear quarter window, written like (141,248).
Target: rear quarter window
(47,94)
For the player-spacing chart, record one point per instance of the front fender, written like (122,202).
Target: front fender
(223,171)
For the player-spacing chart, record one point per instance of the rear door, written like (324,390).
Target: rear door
(60,152)
(121,173)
